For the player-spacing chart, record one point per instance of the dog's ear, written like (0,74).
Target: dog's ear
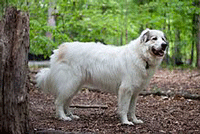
(145,35)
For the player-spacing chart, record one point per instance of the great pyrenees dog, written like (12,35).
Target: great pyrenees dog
(124,70)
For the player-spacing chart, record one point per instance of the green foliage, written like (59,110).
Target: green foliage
(113,21)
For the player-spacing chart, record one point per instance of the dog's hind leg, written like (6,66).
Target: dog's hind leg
(66,90)
(67,104)
(60,109)
(62,104)
(124,97)
(132,109)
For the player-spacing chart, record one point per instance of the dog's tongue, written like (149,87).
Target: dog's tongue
(161,53)
(158,52)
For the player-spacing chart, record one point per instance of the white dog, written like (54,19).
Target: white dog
(124,70)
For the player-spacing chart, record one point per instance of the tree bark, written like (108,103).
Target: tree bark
(14,47)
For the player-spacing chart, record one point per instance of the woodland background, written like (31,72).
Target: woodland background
(169,105)
(113,22)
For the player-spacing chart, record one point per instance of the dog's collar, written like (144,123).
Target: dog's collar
(147,65)
(146,60)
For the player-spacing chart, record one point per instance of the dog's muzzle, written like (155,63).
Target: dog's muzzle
(160,52)
(164,46)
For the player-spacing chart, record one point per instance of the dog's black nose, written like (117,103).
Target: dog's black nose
(164,45)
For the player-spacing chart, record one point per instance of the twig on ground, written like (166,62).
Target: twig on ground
(89,106)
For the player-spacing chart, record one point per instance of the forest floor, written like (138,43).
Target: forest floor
(160,114)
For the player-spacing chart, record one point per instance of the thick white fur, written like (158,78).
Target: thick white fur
(122,70)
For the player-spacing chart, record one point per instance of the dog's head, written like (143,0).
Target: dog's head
(155,42)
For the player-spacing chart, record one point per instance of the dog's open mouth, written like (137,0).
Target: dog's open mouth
(159,53)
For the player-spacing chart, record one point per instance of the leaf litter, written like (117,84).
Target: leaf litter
(160,114)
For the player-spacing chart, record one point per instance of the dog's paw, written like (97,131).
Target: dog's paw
(65,118)
(138,121)
(74,117)
(127,123)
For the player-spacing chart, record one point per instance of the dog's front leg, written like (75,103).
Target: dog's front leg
(132,108)
(124,97)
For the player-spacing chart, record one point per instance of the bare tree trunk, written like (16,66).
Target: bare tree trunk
(196,32)
(194,37)
(51,18)
(198,43)
(14,47)
(177,54)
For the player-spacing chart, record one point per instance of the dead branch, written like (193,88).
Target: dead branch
(171,94)
(89,106)
(52,132)
(196,75)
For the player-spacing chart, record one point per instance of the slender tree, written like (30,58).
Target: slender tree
(51,18)
(196,31)
(198,38)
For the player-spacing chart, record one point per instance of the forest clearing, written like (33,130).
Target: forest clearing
(160,114)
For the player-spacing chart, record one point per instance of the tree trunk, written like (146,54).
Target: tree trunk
(196,22)
(14,47)
(177,57)
(51,18)
(194,38)
(198,43)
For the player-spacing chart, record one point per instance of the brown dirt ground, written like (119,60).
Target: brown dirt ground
(160,114)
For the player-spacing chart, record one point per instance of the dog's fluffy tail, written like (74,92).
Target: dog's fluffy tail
(43,79)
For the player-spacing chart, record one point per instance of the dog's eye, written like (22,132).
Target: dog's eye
(164,39)
(154,38)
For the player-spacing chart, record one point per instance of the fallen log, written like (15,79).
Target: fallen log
(194,75)
(185,95)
